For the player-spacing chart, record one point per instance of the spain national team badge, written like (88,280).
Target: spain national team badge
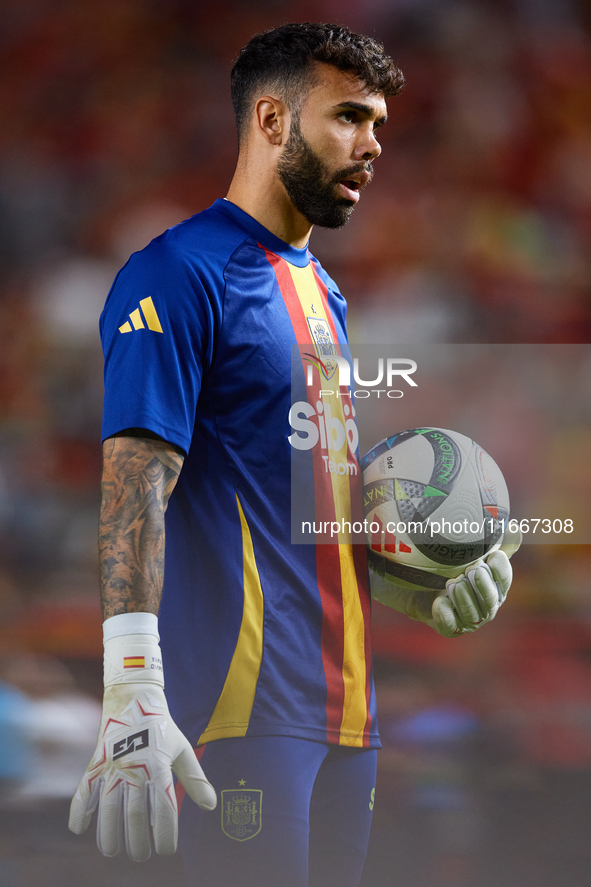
(325,347)
(241,813)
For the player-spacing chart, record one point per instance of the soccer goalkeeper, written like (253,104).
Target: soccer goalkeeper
(265,645)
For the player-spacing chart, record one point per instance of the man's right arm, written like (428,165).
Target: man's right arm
(140,472)
(139,745)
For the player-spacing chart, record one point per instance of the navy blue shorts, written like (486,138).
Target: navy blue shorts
(291,813)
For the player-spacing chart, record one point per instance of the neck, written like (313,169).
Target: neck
(259,193)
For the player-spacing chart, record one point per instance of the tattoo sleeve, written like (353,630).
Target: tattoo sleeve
(139,474)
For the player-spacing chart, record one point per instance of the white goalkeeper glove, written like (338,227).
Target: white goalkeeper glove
(139,748)
(469,601)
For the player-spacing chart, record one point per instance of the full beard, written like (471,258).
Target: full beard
(310,184)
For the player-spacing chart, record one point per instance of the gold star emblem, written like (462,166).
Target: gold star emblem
(242,782)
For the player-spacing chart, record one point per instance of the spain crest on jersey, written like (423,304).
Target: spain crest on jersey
(323,341)
(241,813)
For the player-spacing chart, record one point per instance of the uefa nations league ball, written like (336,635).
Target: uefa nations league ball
(434,502)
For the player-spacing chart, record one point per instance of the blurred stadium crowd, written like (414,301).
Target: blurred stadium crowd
(116,123)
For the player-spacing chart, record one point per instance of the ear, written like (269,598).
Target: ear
(272,119)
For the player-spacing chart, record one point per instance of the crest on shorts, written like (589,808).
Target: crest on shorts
(241,813)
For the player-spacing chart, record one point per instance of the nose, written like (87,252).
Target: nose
(368,147)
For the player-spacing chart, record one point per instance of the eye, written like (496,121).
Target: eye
(348,116)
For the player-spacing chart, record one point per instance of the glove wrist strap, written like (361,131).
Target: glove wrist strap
(130,623)
(132,659)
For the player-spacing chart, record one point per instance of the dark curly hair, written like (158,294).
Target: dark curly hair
(281,59)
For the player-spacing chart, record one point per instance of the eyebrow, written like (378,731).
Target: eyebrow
(365,109)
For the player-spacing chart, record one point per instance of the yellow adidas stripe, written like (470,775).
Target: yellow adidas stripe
(234,706)
(152,319)
(136,319)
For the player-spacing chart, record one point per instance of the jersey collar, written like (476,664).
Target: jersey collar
(298,257)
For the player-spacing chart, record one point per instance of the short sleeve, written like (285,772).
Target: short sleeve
(157,332)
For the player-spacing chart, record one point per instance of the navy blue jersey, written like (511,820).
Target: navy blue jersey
(260,636)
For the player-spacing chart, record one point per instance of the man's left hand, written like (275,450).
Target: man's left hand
(469,601)
(474,598)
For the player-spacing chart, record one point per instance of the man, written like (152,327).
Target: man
(266,644)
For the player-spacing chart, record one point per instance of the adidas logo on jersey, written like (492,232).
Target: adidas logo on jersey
(150,316)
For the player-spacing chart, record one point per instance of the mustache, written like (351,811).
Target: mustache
(349,171)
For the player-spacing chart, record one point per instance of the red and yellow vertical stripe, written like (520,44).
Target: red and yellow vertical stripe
(340,568)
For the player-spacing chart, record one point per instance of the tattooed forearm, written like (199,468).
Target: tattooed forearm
(139,474)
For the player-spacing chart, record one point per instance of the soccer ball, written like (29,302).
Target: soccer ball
(434,502)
